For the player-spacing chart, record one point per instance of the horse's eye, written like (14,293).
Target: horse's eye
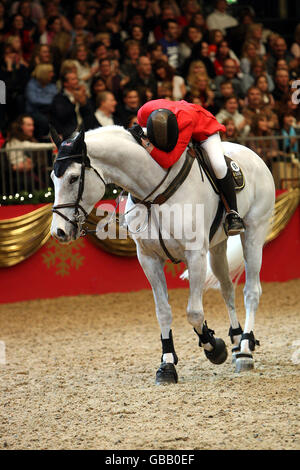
(73,179)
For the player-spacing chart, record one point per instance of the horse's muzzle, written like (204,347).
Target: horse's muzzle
(63,237)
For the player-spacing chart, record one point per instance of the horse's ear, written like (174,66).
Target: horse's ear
(80,137)
(55,137)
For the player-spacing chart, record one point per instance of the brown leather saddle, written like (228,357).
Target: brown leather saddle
(205,166)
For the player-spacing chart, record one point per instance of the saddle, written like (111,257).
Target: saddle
(194,152)
(205,165)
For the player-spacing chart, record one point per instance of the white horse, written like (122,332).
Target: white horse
(87,162)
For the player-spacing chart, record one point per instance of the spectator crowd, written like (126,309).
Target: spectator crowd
(96,62)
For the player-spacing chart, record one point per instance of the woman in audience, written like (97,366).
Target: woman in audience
(287,129)
(39,95)
(249,54)
(231,134)
(21,136)
(266,149)
(257,68)
(200,88)
(255,34)
(165,73)
(230,110)
(85,72)
(261,82)
(196,67)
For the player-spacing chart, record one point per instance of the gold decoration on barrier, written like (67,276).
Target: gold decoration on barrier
(22,236)
(285,205)
(119,247)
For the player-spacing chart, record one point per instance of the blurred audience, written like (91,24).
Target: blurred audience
(96,63)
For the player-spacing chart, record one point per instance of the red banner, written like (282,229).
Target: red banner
(82,268)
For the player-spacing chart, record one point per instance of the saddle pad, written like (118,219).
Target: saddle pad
(205,164)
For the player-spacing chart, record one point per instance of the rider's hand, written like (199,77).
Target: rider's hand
(137,132)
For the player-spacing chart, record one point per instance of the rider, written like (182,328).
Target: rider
(170,127)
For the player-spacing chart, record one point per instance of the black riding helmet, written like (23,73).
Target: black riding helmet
(162,129)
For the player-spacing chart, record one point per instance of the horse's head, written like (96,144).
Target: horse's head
(77,187)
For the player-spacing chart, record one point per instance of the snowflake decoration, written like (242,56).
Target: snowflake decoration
(174,269)
(64,257)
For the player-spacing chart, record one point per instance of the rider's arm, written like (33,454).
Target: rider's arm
(167,159)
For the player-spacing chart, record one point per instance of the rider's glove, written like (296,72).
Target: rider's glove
(137,132)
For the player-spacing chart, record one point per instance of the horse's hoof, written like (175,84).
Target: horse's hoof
(244,362)
(234,352)
(166,374)
(219,354)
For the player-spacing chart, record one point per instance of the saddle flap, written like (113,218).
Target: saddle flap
(204,161)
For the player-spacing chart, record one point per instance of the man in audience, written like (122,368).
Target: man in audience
(219,19)
(106,107)
(282,85)
(71,107)
(144,79)
(129,107)
(230,74)
(256,106)
(170,43)
(278,52)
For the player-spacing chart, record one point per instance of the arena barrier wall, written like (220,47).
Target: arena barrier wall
(81,268)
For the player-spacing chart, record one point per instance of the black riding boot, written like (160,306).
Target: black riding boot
(233,222)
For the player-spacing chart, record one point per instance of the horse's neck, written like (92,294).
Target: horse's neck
(126,164)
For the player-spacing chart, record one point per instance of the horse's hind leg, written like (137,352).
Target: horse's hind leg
(220,268)
(252,241)
(153,267)
(214,348)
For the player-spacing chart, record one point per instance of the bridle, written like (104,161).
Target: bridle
(79,218)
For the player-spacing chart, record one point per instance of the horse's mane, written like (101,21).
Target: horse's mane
(108,130)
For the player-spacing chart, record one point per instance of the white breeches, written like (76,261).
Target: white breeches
(213,146)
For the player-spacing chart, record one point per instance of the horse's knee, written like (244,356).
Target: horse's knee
(195,318)
(252,295)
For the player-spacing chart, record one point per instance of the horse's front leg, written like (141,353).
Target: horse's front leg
(214,348)
(220,268)
(153,267)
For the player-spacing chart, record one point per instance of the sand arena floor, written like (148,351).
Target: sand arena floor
(80,375)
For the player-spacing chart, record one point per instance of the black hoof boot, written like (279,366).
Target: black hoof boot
(219,354)
(166,374)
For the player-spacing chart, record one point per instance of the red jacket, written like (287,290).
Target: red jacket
(193,122)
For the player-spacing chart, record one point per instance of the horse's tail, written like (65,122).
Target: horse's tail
(235,262)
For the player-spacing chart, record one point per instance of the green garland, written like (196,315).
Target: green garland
(47,195)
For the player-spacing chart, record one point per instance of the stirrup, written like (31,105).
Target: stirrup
(233,224)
